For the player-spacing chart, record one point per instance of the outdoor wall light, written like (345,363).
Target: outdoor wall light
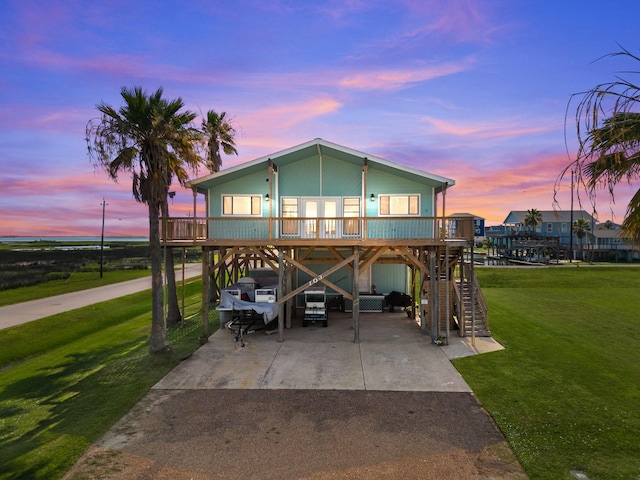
(372,197)
(266,197)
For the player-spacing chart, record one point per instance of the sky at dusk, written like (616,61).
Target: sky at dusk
(474,90)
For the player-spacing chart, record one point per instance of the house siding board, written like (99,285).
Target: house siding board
(386,277)
(383,182)
(341,277)
(251,184)
(340,178)
(254,183)
(389,278)
(301,178)
(304,178)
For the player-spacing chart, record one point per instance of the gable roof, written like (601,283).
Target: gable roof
(315,147)
(548,216)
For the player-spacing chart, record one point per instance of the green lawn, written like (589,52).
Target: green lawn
(64,380)
(566,390)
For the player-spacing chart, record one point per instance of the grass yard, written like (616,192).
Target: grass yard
(64,380)
(566,390)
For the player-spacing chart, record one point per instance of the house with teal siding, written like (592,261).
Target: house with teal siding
(321,214)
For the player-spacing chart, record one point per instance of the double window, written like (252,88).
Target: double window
(246,205)
(399,204)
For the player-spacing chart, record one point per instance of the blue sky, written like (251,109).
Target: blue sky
(474,90)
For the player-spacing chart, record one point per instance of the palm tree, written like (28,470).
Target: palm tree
(147,138)
(608,131)
(218,133)
(533,218)
(581,227)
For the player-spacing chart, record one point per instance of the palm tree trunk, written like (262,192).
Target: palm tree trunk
(173,312)
(158,339)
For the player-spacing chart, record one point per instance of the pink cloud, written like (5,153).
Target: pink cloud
(274,127)
(492,192)
(457,20)
(505,128)
(395,79)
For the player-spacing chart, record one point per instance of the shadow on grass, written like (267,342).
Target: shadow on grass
(49,418)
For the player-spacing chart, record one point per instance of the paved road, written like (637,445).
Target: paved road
(20,313)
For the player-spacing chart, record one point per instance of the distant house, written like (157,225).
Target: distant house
(554,224)
(610,245)
(324,215)
(553,238)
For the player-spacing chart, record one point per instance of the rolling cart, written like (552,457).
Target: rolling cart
(315,306)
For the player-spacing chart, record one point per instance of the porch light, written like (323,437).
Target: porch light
(266,197)
(372,197)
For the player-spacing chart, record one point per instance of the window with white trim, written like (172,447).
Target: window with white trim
(351,208)
(290,209)
(250,205)
(399,204)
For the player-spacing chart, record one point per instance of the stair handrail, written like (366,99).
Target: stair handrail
(480,300)
(459,303)
(480,304)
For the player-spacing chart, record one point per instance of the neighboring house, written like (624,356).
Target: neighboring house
(552,238)
(320,214)
(610,245)
(554,224)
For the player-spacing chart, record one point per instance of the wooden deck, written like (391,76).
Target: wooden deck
(335,231)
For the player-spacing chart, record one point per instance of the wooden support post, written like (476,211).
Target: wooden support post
(433,304)
(355,312)
(281,291)
(423,294)
(473,299)
(205,292)
(448,287)
(290,304)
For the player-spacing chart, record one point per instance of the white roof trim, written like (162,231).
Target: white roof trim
(319,141)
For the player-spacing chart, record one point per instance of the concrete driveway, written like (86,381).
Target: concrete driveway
(393,354)
(316,406)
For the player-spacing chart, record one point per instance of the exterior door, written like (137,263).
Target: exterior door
(320,214)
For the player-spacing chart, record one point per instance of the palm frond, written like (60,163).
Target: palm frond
(607,122)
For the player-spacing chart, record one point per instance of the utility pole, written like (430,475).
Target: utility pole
(104,204)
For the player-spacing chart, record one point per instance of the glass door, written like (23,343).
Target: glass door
(310,207)
(320,214)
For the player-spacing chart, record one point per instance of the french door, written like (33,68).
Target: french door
(320,215)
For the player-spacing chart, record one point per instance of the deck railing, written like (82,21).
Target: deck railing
(194,229)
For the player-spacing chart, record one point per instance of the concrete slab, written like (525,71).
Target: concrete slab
(223,364)
(466,346)
(393,355)
(316,366)
(415,367)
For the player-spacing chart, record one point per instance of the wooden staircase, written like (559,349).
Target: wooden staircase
(454,303)
(467,310)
